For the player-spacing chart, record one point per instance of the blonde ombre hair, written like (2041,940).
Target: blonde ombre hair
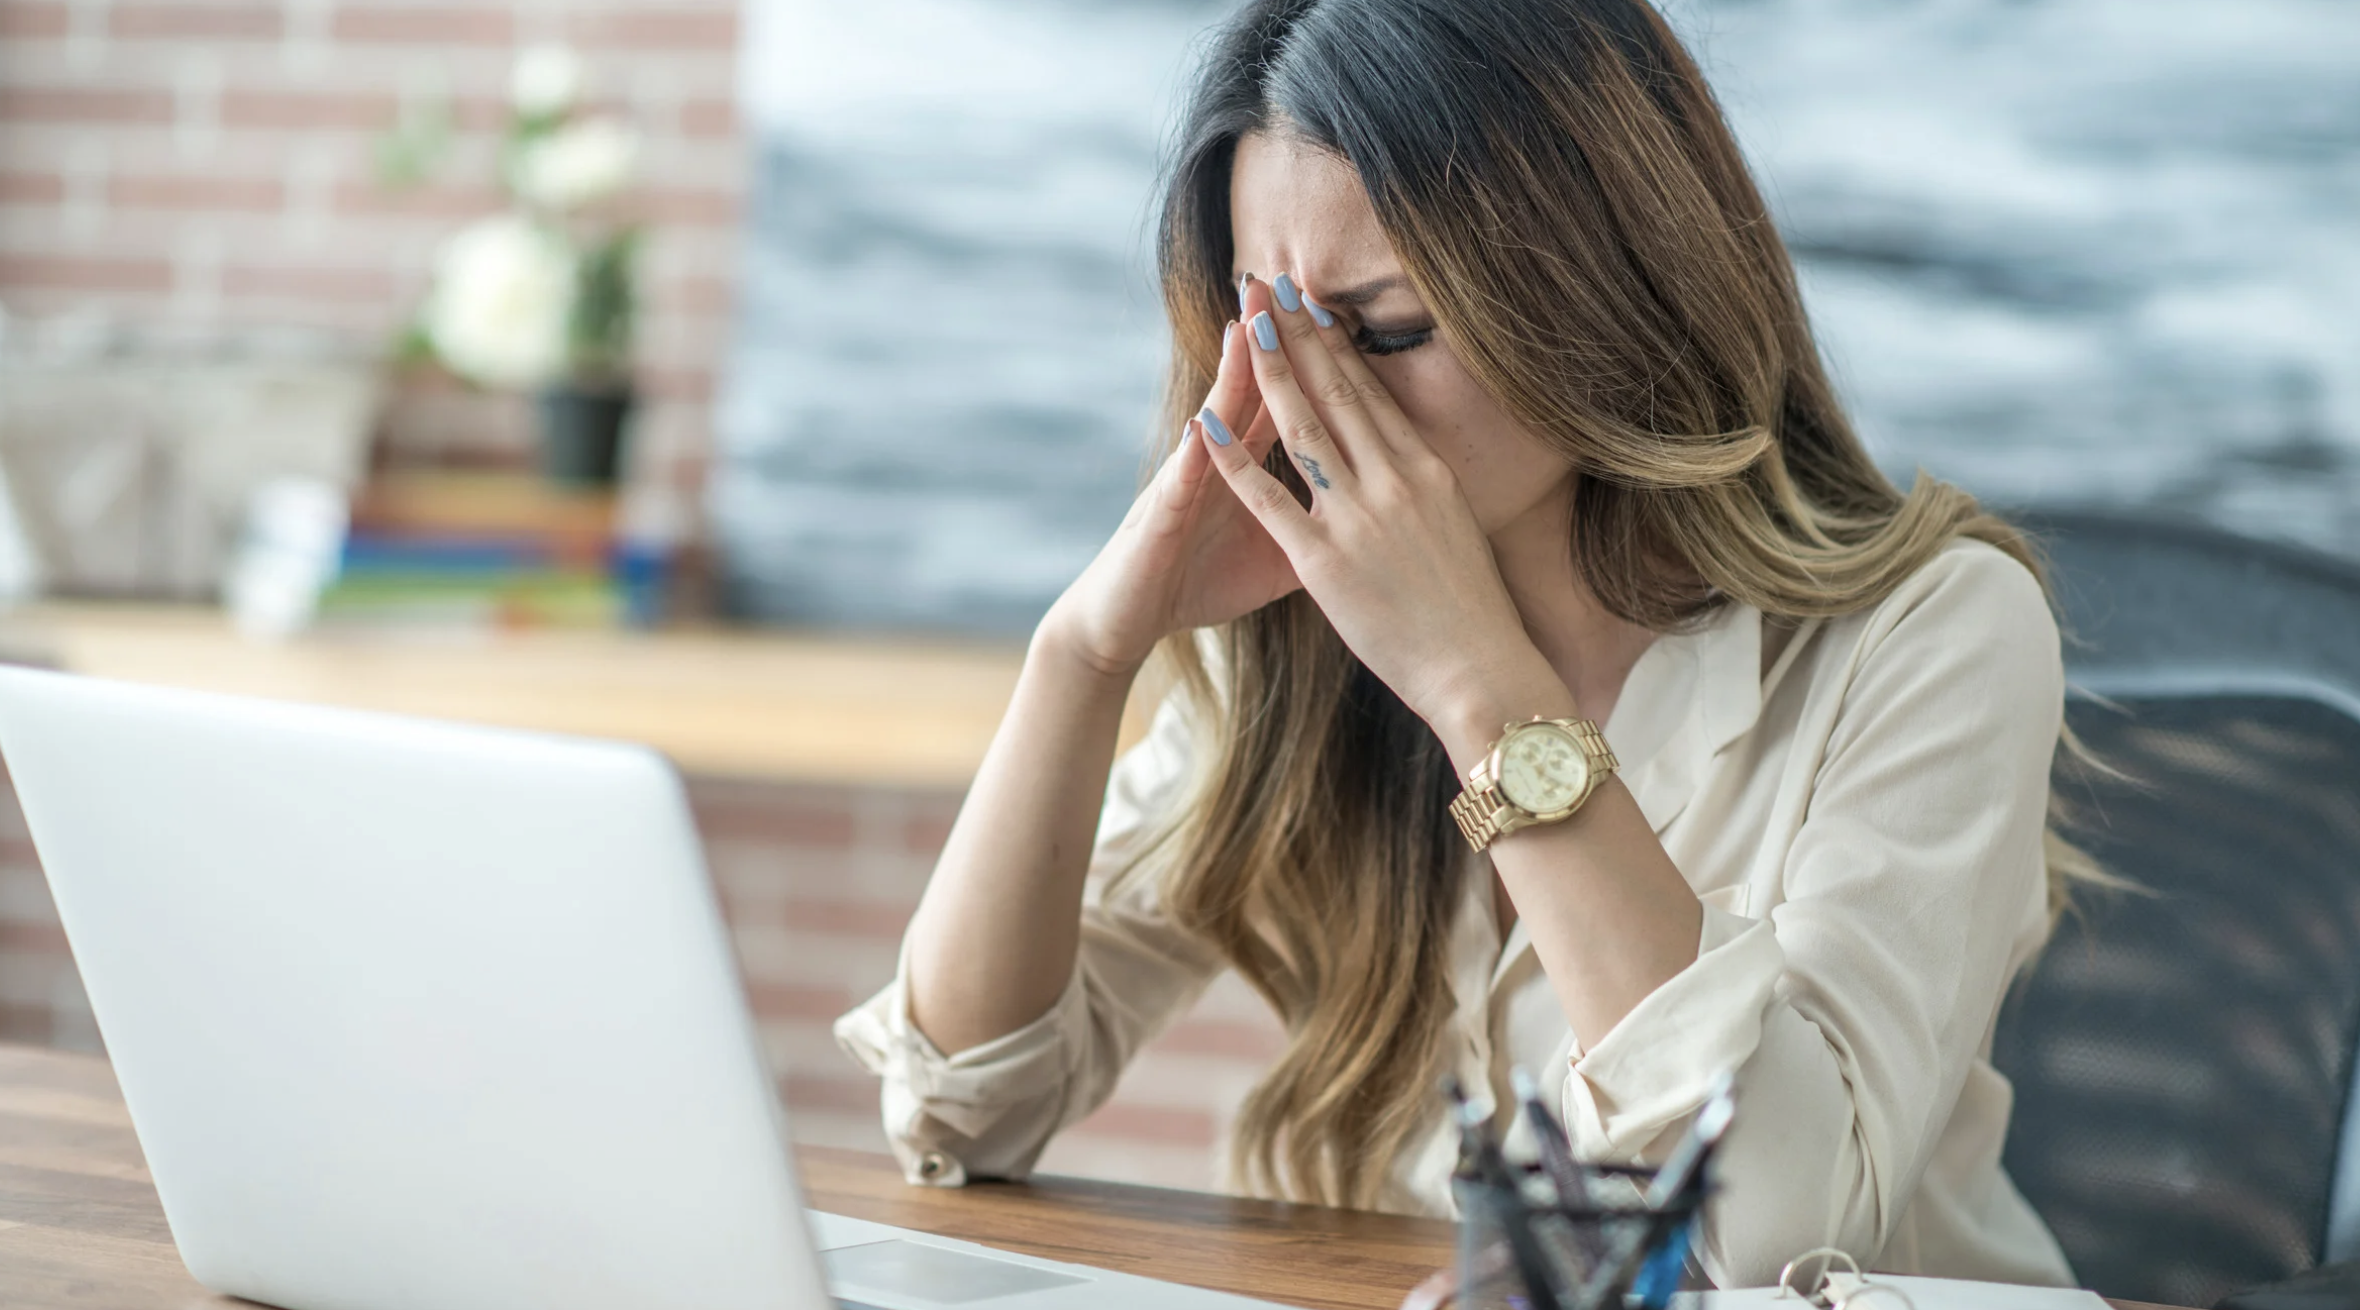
(1560,185)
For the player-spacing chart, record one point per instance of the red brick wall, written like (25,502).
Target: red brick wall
(817,883)
(201,169)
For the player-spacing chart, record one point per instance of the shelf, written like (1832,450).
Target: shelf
(770,705)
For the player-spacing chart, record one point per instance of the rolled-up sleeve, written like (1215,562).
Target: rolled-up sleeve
(1855,1008)
(988,1111)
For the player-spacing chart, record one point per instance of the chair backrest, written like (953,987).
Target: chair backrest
(2183,1053)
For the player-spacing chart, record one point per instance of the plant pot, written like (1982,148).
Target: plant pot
(582,434)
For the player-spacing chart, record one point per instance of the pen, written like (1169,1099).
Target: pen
(1680,1168)
(1573,1187)
(1659,1277)
(1479,1151)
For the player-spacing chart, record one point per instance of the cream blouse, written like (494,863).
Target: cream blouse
(1862,819)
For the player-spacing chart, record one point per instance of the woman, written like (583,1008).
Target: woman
(1509,412)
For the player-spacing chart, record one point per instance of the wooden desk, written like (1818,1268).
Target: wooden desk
(80,1226)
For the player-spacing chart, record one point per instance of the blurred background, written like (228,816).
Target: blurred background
(747,377)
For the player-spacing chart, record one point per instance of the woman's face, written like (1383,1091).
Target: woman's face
(1296,209)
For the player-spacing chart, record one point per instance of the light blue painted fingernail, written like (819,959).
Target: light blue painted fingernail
(1265,331)
(1289,299)
(1226,334)
(1319,313)
(1214,427)
(1244,281)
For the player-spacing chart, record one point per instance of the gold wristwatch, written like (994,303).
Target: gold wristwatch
(1539,771)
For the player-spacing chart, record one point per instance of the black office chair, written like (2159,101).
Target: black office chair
(2183,1055)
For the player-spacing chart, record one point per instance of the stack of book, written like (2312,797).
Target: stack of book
(477,551)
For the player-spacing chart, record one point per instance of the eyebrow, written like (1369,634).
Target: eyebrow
(1354,297)
(1364,293)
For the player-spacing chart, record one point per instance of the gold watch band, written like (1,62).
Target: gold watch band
(1479,809)
(1484,815)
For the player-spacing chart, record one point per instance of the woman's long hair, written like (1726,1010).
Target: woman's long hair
(1558,181)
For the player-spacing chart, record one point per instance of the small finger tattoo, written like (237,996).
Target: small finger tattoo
(1311,467)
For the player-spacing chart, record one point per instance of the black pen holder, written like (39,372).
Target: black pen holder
(1519,1248)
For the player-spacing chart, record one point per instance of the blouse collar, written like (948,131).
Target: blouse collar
(1690,694)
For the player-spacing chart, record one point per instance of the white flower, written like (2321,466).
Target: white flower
(503,290)
(577,165)
(546,81)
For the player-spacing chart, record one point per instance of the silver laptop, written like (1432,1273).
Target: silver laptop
(414,1014)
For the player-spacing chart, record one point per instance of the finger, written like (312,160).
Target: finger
(1383,410)
(1183,475)
(1261,442)
(1170,496)
(1306,435)
(1261,431)
(1234,398)
(1264,496)
(1261,439)
(1257,428)
(1314,352)
(1259,436)
(1253,424)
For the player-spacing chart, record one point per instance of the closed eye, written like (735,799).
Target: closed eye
(1370,341)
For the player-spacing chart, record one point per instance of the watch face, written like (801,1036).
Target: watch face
(1542,768)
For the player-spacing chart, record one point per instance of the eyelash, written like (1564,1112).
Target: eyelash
(1390,343)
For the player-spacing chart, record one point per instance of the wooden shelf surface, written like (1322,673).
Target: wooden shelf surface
(771,705)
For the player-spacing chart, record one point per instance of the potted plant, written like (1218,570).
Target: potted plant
(541,297)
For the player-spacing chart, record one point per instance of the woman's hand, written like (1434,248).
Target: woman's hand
(1388,546)
(1188,555)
